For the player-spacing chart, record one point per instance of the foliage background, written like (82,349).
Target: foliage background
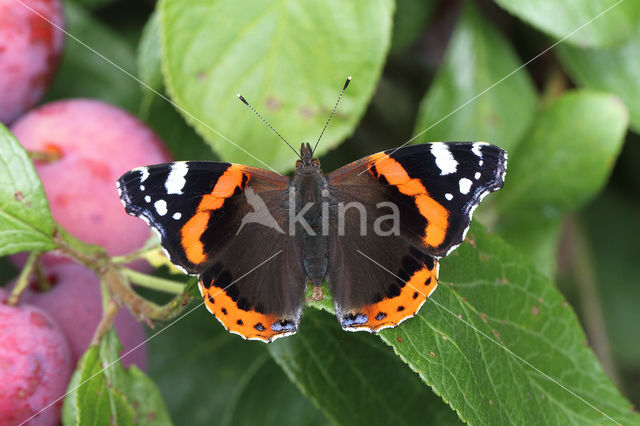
(568,217)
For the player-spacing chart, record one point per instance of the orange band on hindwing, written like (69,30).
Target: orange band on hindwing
(191,232)
(250,324)
(437,215)
(390,312)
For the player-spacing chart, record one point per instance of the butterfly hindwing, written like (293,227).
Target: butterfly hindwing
(198,208)
(255,289)
(377,281)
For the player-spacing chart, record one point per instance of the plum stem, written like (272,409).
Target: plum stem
(116,280)
(138,254)
(108,315)
(92,256)
(41,277)
(152,282)
(45,156)
(23,279)
(143,309)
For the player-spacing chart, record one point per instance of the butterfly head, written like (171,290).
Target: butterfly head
(307,163)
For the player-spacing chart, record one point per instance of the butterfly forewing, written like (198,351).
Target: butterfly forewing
(436,187)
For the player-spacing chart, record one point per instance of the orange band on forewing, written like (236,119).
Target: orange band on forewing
(210,202)
(192,231)
(228,182)
(437,216)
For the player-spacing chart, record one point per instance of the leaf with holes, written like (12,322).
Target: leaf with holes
(476,94)
(150,63)
(150,54)
(181,139)
(25,219)
(586,23)
(284,59)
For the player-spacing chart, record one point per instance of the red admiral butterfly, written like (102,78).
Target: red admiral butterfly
(403,208)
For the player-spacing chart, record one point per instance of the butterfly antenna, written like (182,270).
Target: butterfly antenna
(346,83)
(267,123)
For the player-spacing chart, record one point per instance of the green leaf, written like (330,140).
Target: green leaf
(181,139)
(25,219)
(477,58)
(614,70)
(8,271)
(566,156)
(497,341)
(284,59)
(102,392)
(283,406)
(409,21)
(215,376)
(93,3)
(592,23)
(192,288)
(83,73)
(534,237)
(579,131)
(150,59)
(354,377)
(613,227)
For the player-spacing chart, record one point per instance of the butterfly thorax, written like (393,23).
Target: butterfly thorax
(310,199)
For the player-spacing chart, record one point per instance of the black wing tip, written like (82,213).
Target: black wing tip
(125,185)
(500,157)
(501,169)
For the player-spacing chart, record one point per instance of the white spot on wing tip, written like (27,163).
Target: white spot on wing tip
(448,196)
(144,173)
(177,216)
(147,198)
(444,159)
(465,185)
(475,148)
(176,179)
(161,207)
